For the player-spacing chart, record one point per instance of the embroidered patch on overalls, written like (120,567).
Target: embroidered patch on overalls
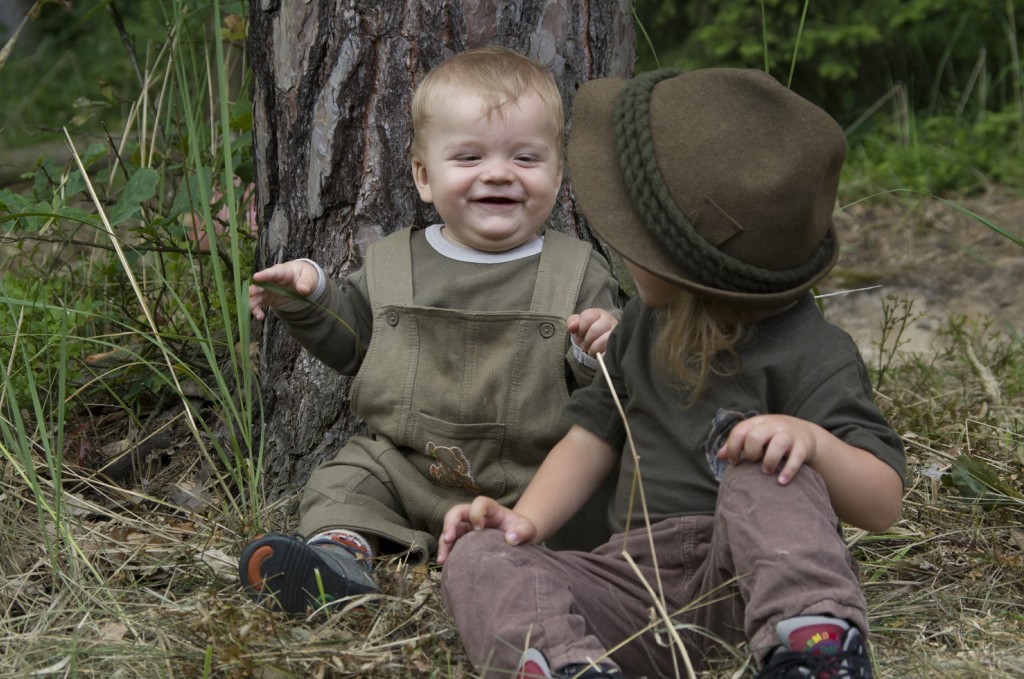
(452,468)
(721,425)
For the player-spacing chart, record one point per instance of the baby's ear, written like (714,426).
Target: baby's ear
(422,179)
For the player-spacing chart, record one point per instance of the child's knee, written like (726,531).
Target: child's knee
(749,479)
(472,551)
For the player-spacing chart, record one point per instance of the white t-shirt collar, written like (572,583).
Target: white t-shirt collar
(463,254)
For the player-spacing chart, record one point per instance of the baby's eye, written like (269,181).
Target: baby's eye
(527,158)
(467,157)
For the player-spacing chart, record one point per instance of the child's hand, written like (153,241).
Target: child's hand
(483,512)
(297,276)
(590,329)
(774,440)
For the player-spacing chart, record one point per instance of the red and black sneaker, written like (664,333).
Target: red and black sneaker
(817,647)
(534,665)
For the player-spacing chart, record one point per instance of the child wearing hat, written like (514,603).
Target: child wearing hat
(749,430)
(465,338)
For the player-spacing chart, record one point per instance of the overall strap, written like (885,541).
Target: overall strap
(563,262)
(389,271)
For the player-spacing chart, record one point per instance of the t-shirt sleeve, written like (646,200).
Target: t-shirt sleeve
(843,404)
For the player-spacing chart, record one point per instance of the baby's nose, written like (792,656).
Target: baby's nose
(498,171)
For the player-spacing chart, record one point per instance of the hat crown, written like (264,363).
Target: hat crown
(718,168)
(719,180)
(753,166)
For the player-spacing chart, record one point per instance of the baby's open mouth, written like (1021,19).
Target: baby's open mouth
(497,200)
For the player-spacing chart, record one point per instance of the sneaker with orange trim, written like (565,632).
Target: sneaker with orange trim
(283,572)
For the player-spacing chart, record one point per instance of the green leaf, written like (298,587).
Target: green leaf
(189,194)
(977,480)
(140,188)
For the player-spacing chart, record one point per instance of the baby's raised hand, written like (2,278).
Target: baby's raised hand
(296,276)
(590,329)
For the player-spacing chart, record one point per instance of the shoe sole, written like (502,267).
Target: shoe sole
(281,573)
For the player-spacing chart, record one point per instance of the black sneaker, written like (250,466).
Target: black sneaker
(283,572)
(826,649)
(535,666)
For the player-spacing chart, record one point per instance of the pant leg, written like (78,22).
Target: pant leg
(357,490)
(576,606)
(784,546)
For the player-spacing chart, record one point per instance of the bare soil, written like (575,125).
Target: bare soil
(930,253)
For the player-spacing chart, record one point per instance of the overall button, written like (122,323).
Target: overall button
(547,330)
(392,318)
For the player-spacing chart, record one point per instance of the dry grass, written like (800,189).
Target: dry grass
(143,586)
(140,578)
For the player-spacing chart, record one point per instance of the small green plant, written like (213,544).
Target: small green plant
(897,316)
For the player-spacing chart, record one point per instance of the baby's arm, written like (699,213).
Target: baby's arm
(298,276)
(865,491)
(590,329)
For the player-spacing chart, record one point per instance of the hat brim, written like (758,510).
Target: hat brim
(596,182)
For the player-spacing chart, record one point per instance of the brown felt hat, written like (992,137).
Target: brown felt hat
(719,180)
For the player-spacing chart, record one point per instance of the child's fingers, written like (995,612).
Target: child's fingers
(257,300)
(790,468)
(455,525)
(482,512)
(294,275)
(521,532)
(448,539)
(742,444)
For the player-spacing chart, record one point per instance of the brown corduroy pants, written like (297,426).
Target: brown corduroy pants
(769,553)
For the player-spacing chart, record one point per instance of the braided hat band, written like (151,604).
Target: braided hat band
(664,220)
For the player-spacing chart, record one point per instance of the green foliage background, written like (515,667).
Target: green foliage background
(929,90)
(848,53)
(70,67)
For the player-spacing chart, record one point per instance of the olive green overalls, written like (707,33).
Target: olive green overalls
(458,404)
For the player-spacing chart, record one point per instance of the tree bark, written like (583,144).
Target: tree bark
(332,84)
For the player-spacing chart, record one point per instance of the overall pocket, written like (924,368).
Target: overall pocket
(464,457)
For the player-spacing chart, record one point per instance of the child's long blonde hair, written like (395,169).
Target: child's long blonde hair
(697,340)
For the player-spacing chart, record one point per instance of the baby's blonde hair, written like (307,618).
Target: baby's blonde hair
(697,340)
(497,74)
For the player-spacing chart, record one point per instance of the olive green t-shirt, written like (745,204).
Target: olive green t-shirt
(793,363)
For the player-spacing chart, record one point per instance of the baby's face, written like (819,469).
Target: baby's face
(493,175)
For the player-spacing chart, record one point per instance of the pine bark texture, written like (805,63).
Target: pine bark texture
(332,85)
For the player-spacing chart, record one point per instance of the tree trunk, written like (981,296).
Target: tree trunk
(332,84)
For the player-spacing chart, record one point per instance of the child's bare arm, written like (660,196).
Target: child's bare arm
(566,479)
(864,490)
(569,475)
(590,329)
(483,512)
(297,276)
